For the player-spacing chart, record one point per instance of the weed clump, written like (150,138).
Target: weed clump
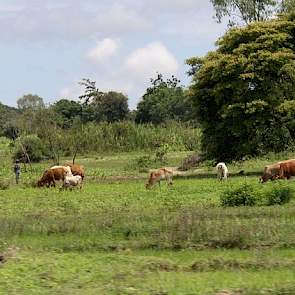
(4,184)
(241,196)
(278,195)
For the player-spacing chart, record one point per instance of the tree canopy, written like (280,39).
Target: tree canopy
(244,11)
(30,101)
(164,100)
(68,110)
(243,91)
(102,106)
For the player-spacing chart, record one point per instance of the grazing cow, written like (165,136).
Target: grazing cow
(274,171)
(77,170)
(52,174)
(158,175)
(222,171)
(74,180)
(287,169)
(67,169)
(270,172)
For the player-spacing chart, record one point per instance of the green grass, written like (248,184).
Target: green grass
(116,237)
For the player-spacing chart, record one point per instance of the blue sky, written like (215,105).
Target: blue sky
(47,47)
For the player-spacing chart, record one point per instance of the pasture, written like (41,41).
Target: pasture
(116,237)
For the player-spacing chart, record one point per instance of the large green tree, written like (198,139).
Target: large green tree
(30,101)
(288,6)
(164,100)
(242,90)
(100,106)
(244,11)
(68,110)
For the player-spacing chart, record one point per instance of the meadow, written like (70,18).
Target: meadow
(116,237)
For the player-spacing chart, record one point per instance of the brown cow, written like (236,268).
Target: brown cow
(77,170)
(158,175)
(270,172)
(273,171)
(52,174)
(287,169)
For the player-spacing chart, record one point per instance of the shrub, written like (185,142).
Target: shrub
(241,196)
(32,145)
(143,161)
(4,184)
(279,195)
(161,153)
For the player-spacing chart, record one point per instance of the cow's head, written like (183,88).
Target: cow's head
(265,177)
(40,183)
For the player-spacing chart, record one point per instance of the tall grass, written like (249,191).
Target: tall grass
(128,136)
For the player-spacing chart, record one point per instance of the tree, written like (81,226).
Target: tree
(288,6)
(7,118)
(68,110)
(49,131)
(163,101)
(30,101)
(244,11)
(241,90)
(103,106)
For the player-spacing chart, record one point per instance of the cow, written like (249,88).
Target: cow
(66,168)
(222,171)
(270,172)
(52,174)
(77,170)
(274,171)
(287,169)
(158,175)
(74,180)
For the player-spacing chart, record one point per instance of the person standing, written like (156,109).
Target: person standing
(17,171)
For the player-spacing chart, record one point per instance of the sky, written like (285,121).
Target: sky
(47,47)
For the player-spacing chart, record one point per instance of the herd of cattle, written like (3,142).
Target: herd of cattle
(73,175)
(280,170)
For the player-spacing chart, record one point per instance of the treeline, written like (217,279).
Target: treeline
(102,122)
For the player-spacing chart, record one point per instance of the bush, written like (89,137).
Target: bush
(4,184)
(279,195)
(33,146)
(241,196)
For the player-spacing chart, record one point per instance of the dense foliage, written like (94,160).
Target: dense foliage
(102,106)
(164,100)
(241,196)
(245,11)
(52,141)
(244,92)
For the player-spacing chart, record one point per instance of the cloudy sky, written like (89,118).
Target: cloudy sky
(47,47)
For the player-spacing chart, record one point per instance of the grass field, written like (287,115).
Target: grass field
(115,237)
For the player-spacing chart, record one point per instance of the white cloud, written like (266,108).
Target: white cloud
(119,19)
(68,22)
(145,62)
(103,50)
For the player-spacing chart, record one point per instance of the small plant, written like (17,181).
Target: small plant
(161,153)
(144,161)
(4,184)
(279,195)
(241,196)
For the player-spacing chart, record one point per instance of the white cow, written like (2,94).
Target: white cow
(73,180)
(222,171)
